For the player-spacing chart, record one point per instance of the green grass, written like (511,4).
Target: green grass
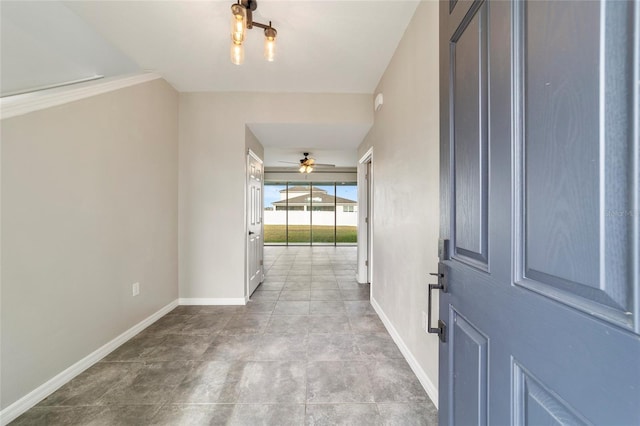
(301,234)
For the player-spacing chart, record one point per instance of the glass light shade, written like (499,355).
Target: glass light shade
(237,53)
(270,44)
(302,169)
(309,169)
(238,23)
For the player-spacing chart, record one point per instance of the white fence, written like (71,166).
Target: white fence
(279,217)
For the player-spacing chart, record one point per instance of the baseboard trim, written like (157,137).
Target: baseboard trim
(12,106)
(426,383)
(35,396)
(212,301)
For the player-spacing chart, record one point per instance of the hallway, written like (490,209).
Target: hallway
(308,349)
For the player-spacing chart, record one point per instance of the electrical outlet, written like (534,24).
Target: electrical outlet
(135,289)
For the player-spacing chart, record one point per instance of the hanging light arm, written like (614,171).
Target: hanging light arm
(252,5)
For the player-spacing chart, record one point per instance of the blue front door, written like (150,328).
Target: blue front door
(540,172)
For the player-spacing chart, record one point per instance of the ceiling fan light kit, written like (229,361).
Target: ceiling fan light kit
(307,165)
(241,21)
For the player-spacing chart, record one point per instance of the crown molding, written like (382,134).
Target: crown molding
(12,106)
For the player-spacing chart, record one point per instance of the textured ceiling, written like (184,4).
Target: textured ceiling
(322,46)
(327,143)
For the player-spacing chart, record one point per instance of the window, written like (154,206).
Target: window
(300,213)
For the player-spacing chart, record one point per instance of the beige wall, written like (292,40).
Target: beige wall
(405,140)
(212,176)
(252,143)
(89,206)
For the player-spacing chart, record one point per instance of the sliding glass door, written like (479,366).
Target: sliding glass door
(304,214)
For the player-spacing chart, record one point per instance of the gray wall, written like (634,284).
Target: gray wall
(212,176)
(405,140)
(89,206)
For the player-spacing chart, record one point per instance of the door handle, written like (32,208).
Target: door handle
(251,232)
(441,329)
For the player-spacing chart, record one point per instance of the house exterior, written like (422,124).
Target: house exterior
(300,198)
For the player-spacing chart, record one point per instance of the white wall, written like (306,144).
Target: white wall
(43,43)
(405,140)
(89,206)
(212,176)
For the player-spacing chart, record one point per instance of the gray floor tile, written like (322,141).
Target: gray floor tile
(181,347)
(288,324)
(327,307)
(246,324)
(332,347)
(280,347)
(256,364)
(235,347)
(87,415)
(267,415)
(295,295)
(152,384)
(367,324)
(169,324)
(355,294)
(265,295)
(338,382)
(88,387)
(324,285)
(335,323)
(137,348)
(291,308)
(342,414)
(325,294)
(205,324)
(190,415)
(273,286)
(380,346)
(210,382)
(393,381)
(358,308)
(260,307)
(297,285)
(273,382)
(409,414)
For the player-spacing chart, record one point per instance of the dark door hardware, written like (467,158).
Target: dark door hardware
(441,329)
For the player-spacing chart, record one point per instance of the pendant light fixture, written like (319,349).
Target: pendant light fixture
(241,21)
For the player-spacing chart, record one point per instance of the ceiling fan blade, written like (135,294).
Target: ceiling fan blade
(323,165)
(289,162)
(310,161)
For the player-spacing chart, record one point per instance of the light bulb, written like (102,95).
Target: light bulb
(238,23)
(237,54)
(270,43)
(309,169)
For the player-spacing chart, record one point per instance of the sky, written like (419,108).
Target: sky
(272,192)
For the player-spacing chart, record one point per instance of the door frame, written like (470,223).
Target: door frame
(247,192)
(365,206)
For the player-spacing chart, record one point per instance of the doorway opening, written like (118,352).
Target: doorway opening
(365,216)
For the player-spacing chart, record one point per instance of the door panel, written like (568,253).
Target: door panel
(542,279)
(469,103)
(469,362)
(577,157)
(255,245)
(536,405)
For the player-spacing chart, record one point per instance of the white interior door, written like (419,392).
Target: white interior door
(255,273)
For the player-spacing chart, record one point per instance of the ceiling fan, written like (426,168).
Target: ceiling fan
(308,164)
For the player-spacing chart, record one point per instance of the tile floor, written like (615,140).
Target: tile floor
(307,350)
